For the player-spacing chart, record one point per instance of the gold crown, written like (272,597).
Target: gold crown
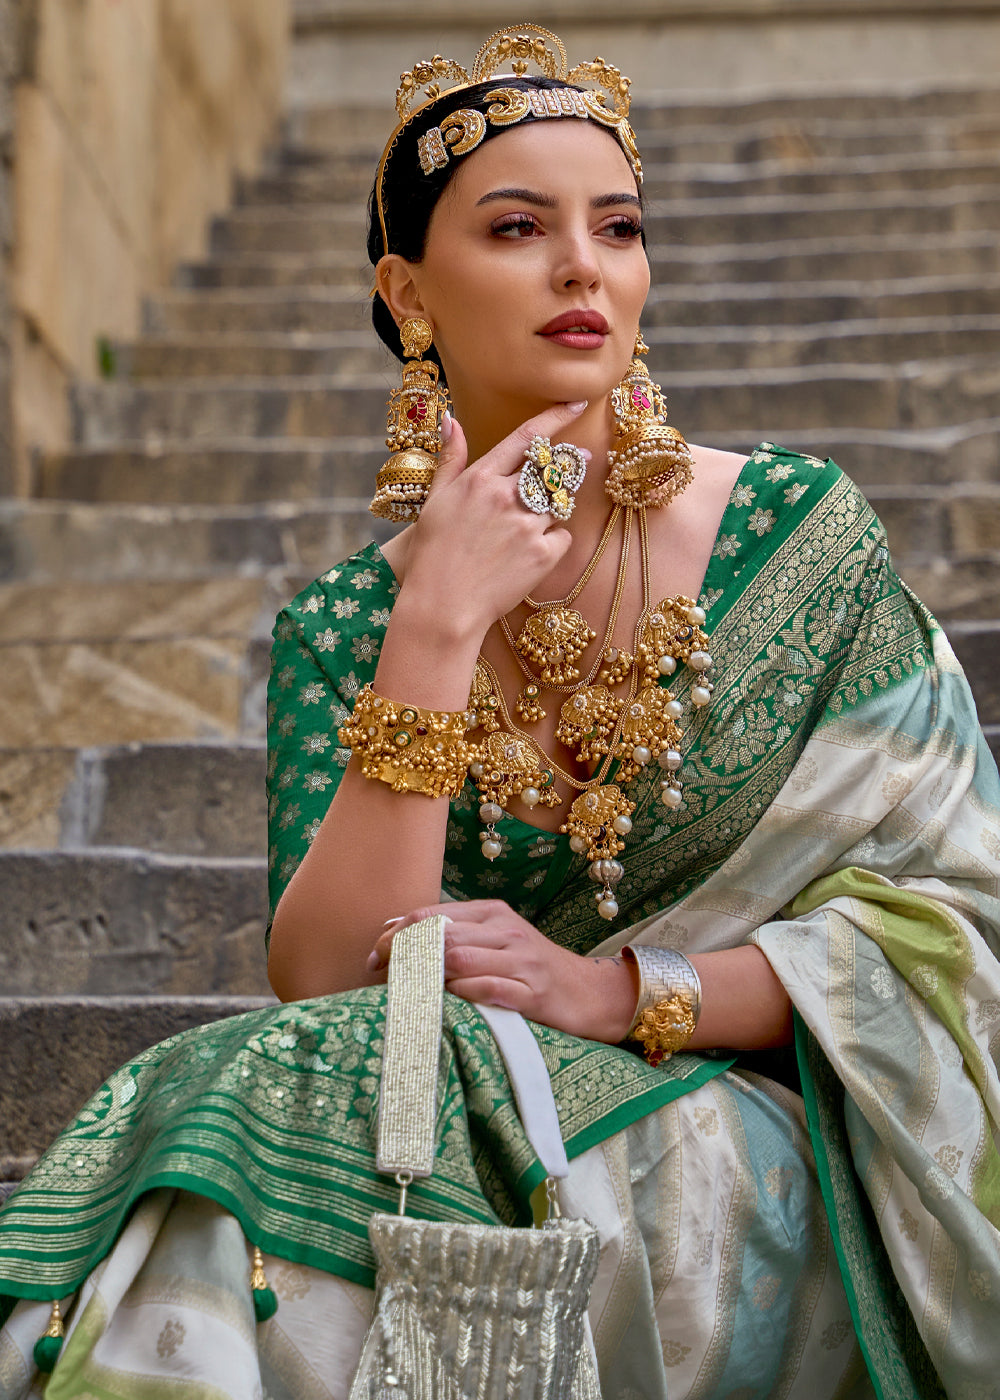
(605,98)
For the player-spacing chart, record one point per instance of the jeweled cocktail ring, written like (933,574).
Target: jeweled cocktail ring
(550,476)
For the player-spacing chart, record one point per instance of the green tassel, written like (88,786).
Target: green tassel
(265,1301)
(47,1348)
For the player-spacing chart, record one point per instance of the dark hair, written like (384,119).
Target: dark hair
(409,196)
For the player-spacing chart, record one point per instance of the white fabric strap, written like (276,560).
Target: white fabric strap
(532,1086)
(407,1102)
(408,1096)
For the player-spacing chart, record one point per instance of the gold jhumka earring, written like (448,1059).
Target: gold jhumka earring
(650,462)
(413,430)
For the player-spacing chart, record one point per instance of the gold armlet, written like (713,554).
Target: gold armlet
(669,1002)
(411,749)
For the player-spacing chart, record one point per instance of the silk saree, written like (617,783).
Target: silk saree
(825,1227)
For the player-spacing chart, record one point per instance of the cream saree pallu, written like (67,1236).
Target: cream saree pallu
(754,1243)
(883,848)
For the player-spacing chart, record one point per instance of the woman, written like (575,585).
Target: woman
(821,840)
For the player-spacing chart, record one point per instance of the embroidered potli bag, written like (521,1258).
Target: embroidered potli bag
(469,1312)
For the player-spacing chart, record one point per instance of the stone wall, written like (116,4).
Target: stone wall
(7,68)
(700,47)
(132,120)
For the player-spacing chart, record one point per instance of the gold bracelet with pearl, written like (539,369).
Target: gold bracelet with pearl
(409,748)
(669,1001)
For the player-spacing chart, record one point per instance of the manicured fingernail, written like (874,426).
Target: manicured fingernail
(578,406)
(447,426)
(585,453)
(397,920)
(372,962)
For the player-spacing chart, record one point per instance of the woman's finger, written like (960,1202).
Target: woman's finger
(484,959)
(453,457)
(507,458)
(492,991)
(379,955)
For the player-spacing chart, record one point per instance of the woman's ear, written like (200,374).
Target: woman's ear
(396,284)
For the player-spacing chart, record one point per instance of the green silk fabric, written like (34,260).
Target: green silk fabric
(272,1114)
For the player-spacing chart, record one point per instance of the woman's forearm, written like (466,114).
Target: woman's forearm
(743,1005)
(377,852)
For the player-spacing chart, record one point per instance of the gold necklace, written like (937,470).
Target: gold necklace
(528,705)
(556,635)
(632,731)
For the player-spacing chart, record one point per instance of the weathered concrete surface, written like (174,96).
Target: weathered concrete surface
(126,922)
(358,48)
(56,1052)
(132,121)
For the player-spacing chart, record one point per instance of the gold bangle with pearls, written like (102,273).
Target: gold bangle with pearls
(411,749)
(669,1001)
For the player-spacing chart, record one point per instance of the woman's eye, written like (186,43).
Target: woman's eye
(624,227)
(514,226)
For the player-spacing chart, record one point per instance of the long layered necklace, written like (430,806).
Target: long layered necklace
(621,712)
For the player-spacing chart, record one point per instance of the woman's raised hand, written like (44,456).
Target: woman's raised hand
(493,956)
(476,548)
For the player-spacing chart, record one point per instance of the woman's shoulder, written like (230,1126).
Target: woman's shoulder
(344,590)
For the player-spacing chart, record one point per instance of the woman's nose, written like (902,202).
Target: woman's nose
(576,263)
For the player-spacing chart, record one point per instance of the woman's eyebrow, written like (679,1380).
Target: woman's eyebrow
(544,201)
(604,200)
(548,201)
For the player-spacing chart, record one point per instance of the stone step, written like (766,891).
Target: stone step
(795,140)
(214,605)
(960,101)
(114,624)
(259,469)
(346,269)
(977,646)
(326,311)
(194,798)
(324,128)
(956,589)
(53,541)
(881,256)
(238,472)
(125,922)
(723,220)
(708,348)
(871,257)
(754,304)
(57,1051)
(745,402)
(251,355)
(937,455)
(265,310)
(853,177)
(94,692)
(680,178)
(136,692)
(804,139)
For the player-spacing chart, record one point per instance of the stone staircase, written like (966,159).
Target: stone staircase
(826,275)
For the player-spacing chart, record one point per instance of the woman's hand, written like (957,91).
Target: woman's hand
(476,550)
(495,957)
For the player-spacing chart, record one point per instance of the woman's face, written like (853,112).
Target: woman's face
(538,227)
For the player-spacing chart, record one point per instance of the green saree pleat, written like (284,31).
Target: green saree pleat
(272,1114)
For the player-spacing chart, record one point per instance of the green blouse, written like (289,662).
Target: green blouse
(765,571)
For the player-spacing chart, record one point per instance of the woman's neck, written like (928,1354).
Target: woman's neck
(487,422)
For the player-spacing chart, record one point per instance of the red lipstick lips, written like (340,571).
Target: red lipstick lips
(578,330)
